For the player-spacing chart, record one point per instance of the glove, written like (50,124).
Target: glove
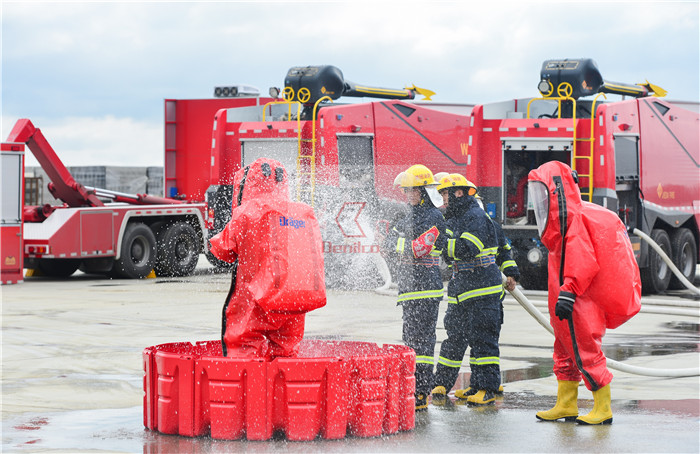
(565,305)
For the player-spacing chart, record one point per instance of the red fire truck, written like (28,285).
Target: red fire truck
(129,237)
(638,157)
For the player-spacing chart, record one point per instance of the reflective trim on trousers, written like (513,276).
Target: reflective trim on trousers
(421,295)
(448,362)
(485,360)
(422,359)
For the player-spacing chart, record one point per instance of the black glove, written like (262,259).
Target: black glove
(565,305)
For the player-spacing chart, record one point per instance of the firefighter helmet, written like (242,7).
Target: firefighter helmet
(415,176)
(455,180)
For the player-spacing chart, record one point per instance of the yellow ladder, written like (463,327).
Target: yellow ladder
(308,170)
(564,91)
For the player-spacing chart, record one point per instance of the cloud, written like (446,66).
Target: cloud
(111,141)
(111,64)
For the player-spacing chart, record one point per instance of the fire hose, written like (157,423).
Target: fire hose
(667,259)
(622,367)
(540,318)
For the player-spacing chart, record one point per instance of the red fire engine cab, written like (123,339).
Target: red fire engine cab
(638,157)
(129,237)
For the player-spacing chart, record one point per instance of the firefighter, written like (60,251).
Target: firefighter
(278,275)
(417,241)
(505,262)
(474,293)
(593,282)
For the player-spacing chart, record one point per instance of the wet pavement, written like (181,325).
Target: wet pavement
(72,372)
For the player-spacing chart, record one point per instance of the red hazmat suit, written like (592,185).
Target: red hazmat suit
(599,269)
(280,273)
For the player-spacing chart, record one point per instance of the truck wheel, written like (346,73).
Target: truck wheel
(178,250)
(58,267)
(138,252)
(657,274)
(684,254)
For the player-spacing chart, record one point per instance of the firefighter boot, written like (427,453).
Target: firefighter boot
(601,413)
(481,397)
(439,395)
(421,402)
(465,393)
(567,404)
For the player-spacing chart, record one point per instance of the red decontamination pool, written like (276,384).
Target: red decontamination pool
(330,390)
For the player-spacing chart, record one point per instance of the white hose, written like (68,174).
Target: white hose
(532,310)
(666,259)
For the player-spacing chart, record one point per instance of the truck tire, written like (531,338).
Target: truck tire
(684,252)
(58,267)
(138,252)
(178,250)
(657,275)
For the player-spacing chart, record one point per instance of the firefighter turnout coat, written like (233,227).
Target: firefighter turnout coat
(419,281)
(474,313)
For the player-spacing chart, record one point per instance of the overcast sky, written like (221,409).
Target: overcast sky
(93,75)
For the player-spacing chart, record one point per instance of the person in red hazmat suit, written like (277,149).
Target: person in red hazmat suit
(278,275)
(594,284)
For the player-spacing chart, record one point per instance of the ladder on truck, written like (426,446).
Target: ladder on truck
(585,176)
(305,161)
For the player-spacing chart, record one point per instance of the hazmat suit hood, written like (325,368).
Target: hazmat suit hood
(556,197)
(265,177)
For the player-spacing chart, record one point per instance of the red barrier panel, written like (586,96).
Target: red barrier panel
(331,389)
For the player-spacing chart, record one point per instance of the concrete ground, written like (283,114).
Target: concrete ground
(72,372)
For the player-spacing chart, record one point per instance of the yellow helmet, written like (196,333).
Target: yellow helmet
(415,176)
(455,180)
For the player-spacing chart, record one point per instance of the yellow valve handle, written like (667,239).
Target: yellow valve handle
(565,90)
(288,93)
(304,95)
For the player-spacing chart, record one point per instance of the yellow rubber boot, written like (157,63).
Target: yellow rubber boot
(601,413)
(439,396)
(465,393)
(567,403)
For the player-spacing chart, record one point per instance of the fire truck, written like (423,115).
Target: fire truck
(341,158)
(99,231)
(638,156)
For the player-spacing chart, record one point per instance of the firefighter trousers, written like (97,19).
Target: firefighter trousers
(419,323)
(476,323)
